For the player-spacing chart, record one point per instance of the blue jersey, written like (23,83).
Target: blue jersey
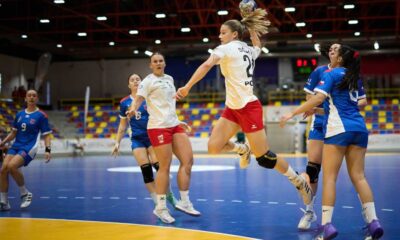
(341,106)
(312,82)
(138,126)
(28,126)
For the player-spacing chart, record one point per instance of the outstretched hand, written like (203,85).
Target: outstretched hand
(182,92)
(284,119)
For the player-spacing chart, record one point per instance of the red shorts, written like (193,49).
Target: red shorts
(161,136)
(249,118)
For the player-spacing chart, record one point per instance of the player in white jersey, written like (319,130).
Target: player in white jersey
(345,136)
(244,110)
(167,135)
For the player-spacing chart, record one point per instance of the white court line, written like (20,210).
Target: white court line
(44,197)
(97,198)
(387,210)
(348,207)
(273,203)
(148,198)
(11,197)
(237,201)
(255,202)
(114,198)
(131,198)
(62,197)
(219,200)
(201,200)
(291,203)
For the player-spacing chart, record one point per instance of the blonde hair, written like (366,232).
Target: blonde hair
(257,21)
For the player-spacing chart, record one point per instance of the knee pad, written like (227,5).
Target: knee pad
(156,166)
(268,160)
(147,173)
(313,170)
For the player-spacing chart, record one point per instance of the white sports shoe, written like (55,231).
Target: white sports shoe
(187,207)
(5,206)
(303,187)
(26,200)
(308,218)
(245,158)
(163,215)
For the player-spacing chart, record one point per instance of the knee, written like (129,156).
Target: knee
(313,170)
(147,173)
(187,166)
(267,160)
(357,177)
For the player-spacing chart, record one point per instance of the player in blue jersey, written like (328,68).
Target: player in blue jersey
(141,146)
(26,129)
(316,137)
(345,136)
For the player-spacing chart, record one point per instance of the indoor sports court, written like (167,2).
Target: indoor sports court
(76,71)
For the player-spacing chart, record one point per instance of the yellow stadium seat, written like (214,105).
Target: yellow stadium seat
(99,114)
(362,113)
(196,123)
(75,114)
(375,102)
(214,122)
(369,126)
(113,119)
(204,135)
(302,102)
(74,108)
(185,106)
(91,125)
(205,117)
(395,101)
(17,106)
(214,111)
(89,135)
(382,114)
(89,119)
(97,108)
(99,130)
(278,103)
(181,117)
(210,105)
(113,135)
(195,111)
(103,124)
(382,120)
(178,111)
(368,108)
(389,126)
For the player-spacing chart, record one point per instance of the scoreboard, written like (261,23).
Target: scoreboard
(302,68)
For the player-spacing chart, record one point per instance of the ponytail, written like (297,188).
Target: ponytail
(256,21)
(350,61)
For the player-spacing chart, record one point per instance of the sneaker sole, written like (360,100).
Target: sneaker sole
(155,213)
(183,210)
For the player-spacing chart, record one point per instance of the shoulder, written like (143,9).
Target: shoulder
(169,77)
(41,112)
(124,99)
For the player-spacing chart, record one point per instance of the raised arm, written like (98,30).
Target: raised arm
(255,40)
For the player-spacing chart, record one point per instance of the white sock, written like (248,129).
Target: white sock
(23,190)
(310,207)
(184,195)
(327,212)
(239,148)
(290,173)
(161,201)
(154,197)
(3,197)
(369,210)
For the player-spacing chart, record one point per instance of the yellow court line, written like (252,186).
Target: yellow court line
(62,229)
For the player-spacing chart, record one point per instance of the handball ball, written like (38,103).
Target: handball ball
(247,7)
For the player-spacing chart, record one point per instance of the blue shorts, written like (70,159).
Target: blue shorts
(316,134)
(140,142)
(26,155)
(349,138)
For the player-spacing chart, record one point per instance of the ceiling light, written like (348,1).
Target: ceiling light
(59,1)
(111,43)
(354,21)
(148,53)
(376,45)
(59,45)
(160,15)
(102,18)
(133,32)
(135,51)
(317,47)
(82,34)
(348,6)
(300,24)
(265,50)
(222,12)
(357,34)
(309,35)
(185,29)
(158,41)
(206,40)
(290,9)
(44,20)
(24,36)
(210,51)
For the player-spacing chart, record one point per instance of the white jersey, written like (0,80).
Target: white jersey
(237,65)
(159,93)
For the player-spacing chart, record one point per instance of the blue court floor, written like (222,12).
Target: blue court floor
(255,202)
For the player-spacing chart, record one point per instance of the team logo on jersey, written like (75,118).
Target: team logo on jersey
(32,121)
(160,138)
(321,83)
(27,116)
(253,126)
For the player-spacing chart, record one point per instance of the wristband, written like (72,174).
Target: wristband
(48,149)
